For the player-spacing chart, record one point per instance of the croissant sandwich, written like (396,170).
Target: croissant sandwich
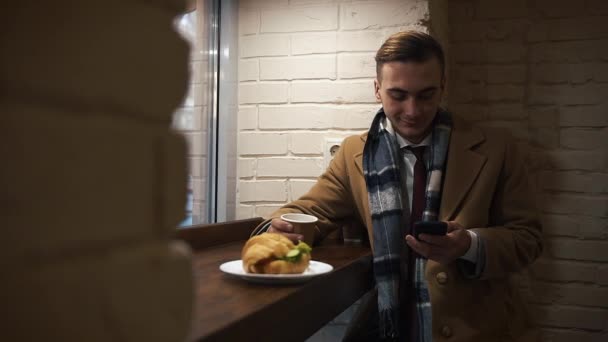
(274,253)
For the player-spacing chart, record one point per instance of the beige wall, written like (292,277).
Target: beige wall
(540,69)
(306,73)
(92,182)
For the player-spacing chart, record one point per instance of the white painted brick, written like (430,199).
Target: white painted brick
(506,74)
(249,70)
(547,138)
(296,117)
(355,117)
(196,143)
(363,16)
(266,210)
(584,139)
(587,116)
(562,248)
(264,45)
(246,168)
(565,271)
(247,4)
(244,212)
(270,191)
(575,181)
(543,117)
(590,27)
(586,94)
(565,73)
(289,68)
(299,19)
(199,211)
(569,52)
(333,92)
(578,160)
(289,167)
(356,66)
(468,52)
(572,317)
(595,7)
(316,117)
(505,92)
(505,52)
(578,205)
(199,189)
(196,72)
(311,2)
(360,41)
(249,22)
(498,9)
(575,226)
(469,73)
(517,129)
(248,117)
(263,92)
(315,42)
(571,294)
(470,112)
(197,167)
(559,9)
(297,188)
(306,143)
(507,111)
(262,144)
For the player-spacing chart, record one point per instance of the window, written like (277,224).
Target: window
(207,120)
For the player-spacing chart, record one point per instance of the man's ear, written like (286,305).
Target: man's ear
(377,90)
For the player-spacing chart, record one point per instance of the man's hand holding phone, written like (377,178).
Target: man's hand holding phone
(443,248)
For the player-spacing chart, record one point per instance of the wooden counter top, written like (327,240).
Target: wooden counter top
(227,308)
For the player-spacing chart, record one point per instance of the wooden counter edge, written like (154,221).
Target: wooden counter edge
(301,314)
(215,234)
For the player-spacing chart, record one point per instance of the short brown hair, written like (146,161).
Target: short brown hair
(409,46)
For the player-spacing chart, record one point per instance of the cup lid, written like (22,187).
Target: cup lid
(299,218)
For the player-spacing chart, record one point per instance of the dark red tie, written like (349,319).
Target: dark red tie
(419,189)
(418,203)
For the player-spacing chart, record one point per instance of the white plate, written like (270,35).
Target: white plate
(314,269)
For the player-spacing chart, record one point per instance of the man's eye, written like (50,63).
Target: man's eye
(398,96)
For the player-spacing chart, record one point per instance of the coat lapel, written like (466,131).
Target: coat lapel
(359,155)
(463,167)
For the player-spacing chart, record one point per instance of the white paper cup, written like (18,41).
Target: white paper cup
(302,224)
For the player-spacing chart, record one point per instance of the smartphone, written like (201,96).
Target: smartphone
(431,228)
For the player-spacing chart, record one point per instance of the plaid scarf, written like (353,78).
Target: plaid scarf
(383,178)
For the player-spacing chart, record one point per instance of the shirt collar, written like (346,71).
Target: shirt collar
(401,140)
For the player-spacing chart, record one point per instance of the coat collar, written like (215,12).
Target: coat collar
(462,168)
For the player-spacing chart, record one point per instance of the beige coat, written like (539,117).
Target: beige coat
(485,189)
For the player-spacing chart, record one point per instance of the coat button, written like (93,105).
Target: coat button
(446,331)
(442,277)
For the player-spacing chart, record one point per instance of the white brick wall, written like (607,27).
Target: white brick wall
(306,73)
(538,68)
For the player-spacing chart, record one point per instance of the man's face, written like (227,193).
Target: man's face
(410,93)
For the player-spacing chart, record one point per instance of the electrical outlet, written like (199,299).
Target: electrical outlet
(330,148)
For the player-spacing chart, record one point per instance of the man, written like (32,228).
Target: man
(418,162)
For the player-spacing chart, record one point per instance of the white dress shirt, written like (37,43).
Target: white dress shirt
(409,160)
